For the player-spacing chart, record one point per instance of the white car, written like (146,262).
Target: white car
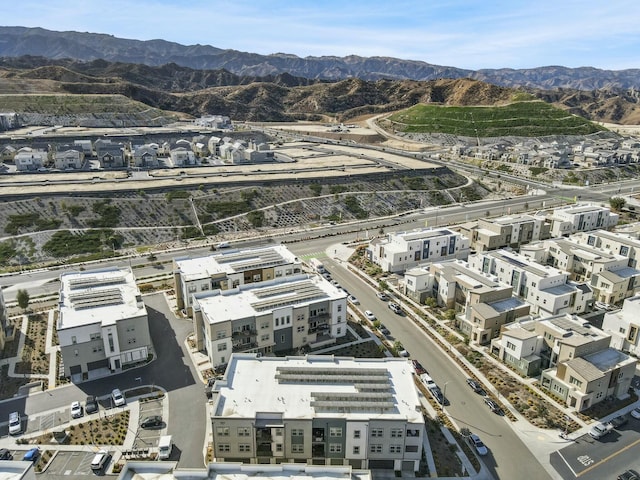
(477,443)
(353,299)
(369,314)
(76,410)
(635,413)
(382,296)
(117,397)
(15,423)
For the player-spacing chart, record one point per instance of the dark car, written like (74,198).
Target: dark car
(154,421)
(436,393)
(475,386)
(208,390)
(629,475)
(493,406)
(5,454)
(619,421)
(417,366)
(32,455)
(384,330)
(91,405)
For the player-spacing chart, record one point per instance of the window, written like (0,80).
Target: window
(204,287)
(377,432)
(222,347)
(97,349)
(413,433)
(356,434)
(396,432)
(335,448)
(297,448)
(395,448)
(375,448)
(192,288)
(278,447)
(623,330)
(74,340)
(264,325)
(339,331)
(244,448)
(222,431)
(95,336)
(278,432)
(335,432)
(297,432)
(300,328)
(356,450)
(281,338)
(131,340)
(223,447)
(339,307)
(76,353)
(411,448)
(265,338)
(220,334)
(131,329)
(575,381)
(244,432)
(511,346)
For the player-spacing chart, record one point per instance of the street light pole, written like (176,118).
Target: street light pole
(444,396)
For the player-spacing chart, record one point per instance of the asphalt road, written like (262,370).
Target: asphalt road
(465,407)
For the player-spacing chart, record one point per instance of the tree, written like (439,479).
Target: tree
(382,285)
(23,298)
(617,203)
(450,314)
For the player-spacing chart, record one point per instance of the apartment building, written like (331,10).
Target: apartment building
(508,231)
(623,326)
(613,242)
(519,346)
(582,382)
(230,268)
(547,289)
(278,316)
(320,410)
(581,218)
(400,251)
(102,322)
(482,321)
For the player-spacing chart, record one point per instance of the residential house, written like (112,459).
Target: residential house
(230,268)
(102,322)
(279,316)
(508,231)
(232,151)
(547,289)
(29,160)
(68,157)
(257,153)
(215,122)
(613,242)
(86,146)
(7,154)
(581,218)
(8,121)
(320,410)
(110,155)
(400,251)
(145,156)
(519,346)
(623,326)
(182,157)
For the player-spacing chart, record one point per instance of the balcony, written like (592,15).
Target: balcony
(244,333)
(244,347)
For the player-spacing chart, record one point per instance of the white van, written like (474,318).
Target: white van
(99,460)
(165,445)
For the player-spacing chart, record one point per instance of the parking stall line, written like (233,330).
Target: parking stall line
(606,459)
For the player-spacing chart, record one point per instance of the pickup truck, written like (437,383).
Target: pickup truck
(599,430)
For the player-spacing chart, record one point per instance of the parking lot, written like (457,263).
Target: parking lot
(148,438)
(589,458)
(68,464)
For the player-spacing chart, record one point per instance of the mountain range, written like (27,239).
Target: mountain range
(20,41)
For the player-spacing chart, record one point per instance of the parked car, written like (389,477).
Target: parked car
(208,390)
(619,421)
(100,459)
(395,308)
(370,315)
(76,410)
(403,353)
(384,330)
(32,455)
(599,430)
(635,413)
(417,366)
(118,398)
(436,393)
(352,299)
(382,296)
(154,421)
(493,406)
(91,404)
(5,454)
(475,386)
(15,423)
(629,475)
(477,443)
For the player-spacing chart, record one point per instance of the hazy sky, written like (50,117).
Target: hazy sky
(465,34)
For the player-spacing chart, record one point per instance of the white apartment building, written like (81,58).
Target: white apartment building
(102,322)
(581,218)
(230,268)
(400,251)
(623,326)
(320,410)
(612,242)
(277,316)
(547,289)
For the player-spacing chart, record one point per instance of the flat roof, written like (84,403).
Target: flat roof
(256,299)
(234,260)
(507,304)
(317,386)
(98,296)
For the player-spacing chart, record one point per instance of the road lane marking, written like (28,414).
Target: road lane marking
(606,459)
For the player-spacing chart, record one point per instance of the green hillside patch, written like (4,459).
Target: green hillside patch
(522,119)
